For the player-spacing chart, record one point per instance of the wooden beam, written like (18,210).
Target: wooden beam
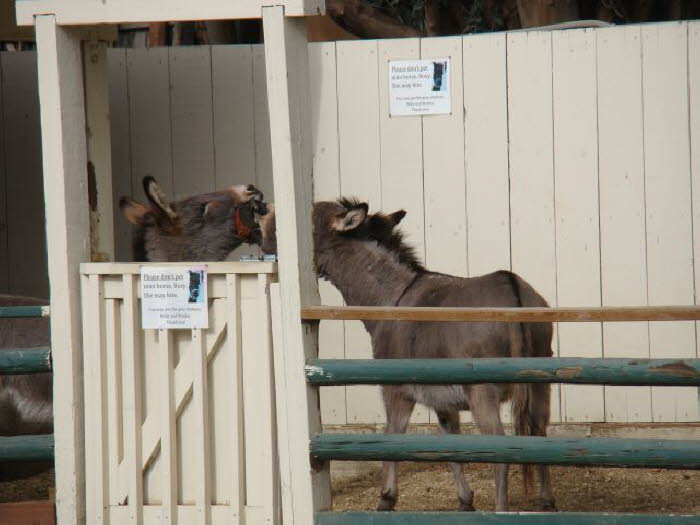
(287,68)
(89,12)
(26,448)
(577,370)
(603,452)
(498,518)
(533,315)
(25,360)
(99,150)
(67,233)
(24,311)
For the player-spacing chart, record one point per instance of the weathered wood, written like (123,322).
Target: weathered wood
(573,370)
(23,311)
(28,513)
(604,452)
(533,315)
(25,360)
(525,518)
(26,448)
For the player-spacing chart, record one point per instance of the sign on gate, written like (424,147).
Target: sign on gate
(419,87)
(174,297)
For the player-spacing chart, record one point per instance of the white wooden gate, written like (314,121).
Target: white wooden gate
(179,424)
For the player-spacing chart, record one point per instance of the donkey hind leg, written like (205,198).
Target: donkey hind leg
(484,402)
(398,414)
(449,424)
(540,419)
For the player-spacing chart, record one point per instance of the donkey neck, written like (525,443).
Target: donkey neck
(365,273)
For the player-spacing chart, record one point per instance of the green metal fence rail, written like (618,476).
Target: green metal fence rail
(577,370)
(25,361)
(607,452)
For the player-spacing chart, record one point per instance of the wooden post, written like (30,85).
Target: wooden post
(286,60)
(67,232)
(99,150)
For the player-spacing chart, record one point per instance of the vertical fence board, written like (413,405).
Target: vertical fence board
(191,119)
(114,399)
(694,106)
(26,233)
(486,152)
(168,444)
(149,118)
(121,148)
(263,148)
(360,169)
(131,356)
(200,405)
(234,115)
(401,160)
(324,129)
(4,218)
(622,215)
(529,58)
(668,204)
(576,208)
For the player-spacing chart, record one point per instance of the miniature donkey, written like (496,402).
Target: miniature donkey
(371,265)
(205,227)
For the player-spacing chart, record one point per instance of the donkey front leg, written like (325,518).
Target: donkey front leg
(484,402)
(540,419)
(449,424)
(398,413)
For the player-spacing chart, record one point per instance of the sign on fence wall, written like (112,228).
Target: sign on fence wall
(419,87)
(174,297)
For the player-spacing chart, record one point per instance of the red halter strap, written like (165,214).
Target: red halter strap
(242,230)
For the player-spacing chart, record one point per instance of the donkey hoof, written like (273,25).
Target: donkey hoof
(386,504)
(466,507)
(548,506)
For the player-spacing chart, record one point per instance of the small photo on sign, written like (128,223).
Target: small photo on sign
(174,297)
(419,87)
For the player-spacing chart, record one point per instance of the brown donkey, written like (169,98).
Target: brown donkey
(371,265)
(205,227)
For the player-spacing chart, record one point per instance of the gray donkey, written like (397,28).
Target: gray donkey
(204,227)
(371,265)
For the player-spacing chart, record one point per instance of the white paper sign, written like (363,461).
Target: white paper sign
(174,297)
(419,87)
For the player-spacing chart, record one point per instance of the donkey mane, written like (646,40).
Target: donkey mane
(396,243)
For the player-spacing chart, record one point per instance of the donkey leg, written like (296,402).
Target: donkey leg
(484,402)
(540,418)
(449,424)
(398,414)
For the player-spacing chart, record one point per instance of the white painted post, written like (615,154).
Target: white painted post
(67,232)
(99,149)
(287,66)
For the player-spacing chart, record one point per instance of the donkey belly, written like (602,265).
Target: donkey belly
(439,397)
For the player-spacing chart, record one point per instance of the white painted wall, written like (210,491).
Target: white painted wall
(574,161)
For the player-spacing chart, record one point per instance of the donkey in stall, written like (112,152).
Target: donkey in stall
(205,227)
(371,265)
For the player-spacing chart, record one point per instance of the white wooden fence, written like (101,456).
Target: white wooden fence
(178,423)
(575,162)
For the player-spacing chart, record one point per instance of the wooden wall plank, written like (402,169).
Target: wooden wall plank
(4,219)
(360,168)
(622,209)
(529,58)
(234,115)
(401,160)
(694,105)
(668,204)
(119,105)
(26,233)
(486,152)
(149,118)
(192,120)
(326,169)
(574,108)
(263,148)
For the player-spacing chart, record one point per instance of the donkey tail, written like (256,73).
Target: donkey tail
(529,402)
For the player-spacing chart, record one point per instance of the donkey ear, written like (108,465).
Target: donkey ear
(396,217)
(133,211)
(157,197)
(351,219)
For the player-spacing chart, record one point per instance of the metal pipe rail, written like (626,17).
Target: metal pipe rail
(574,370)
(24,311)
(530,315)
(25,360)
(602,452)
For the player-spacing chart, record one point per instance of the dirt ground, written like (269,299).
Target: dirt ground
(34,487)
(430,486)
